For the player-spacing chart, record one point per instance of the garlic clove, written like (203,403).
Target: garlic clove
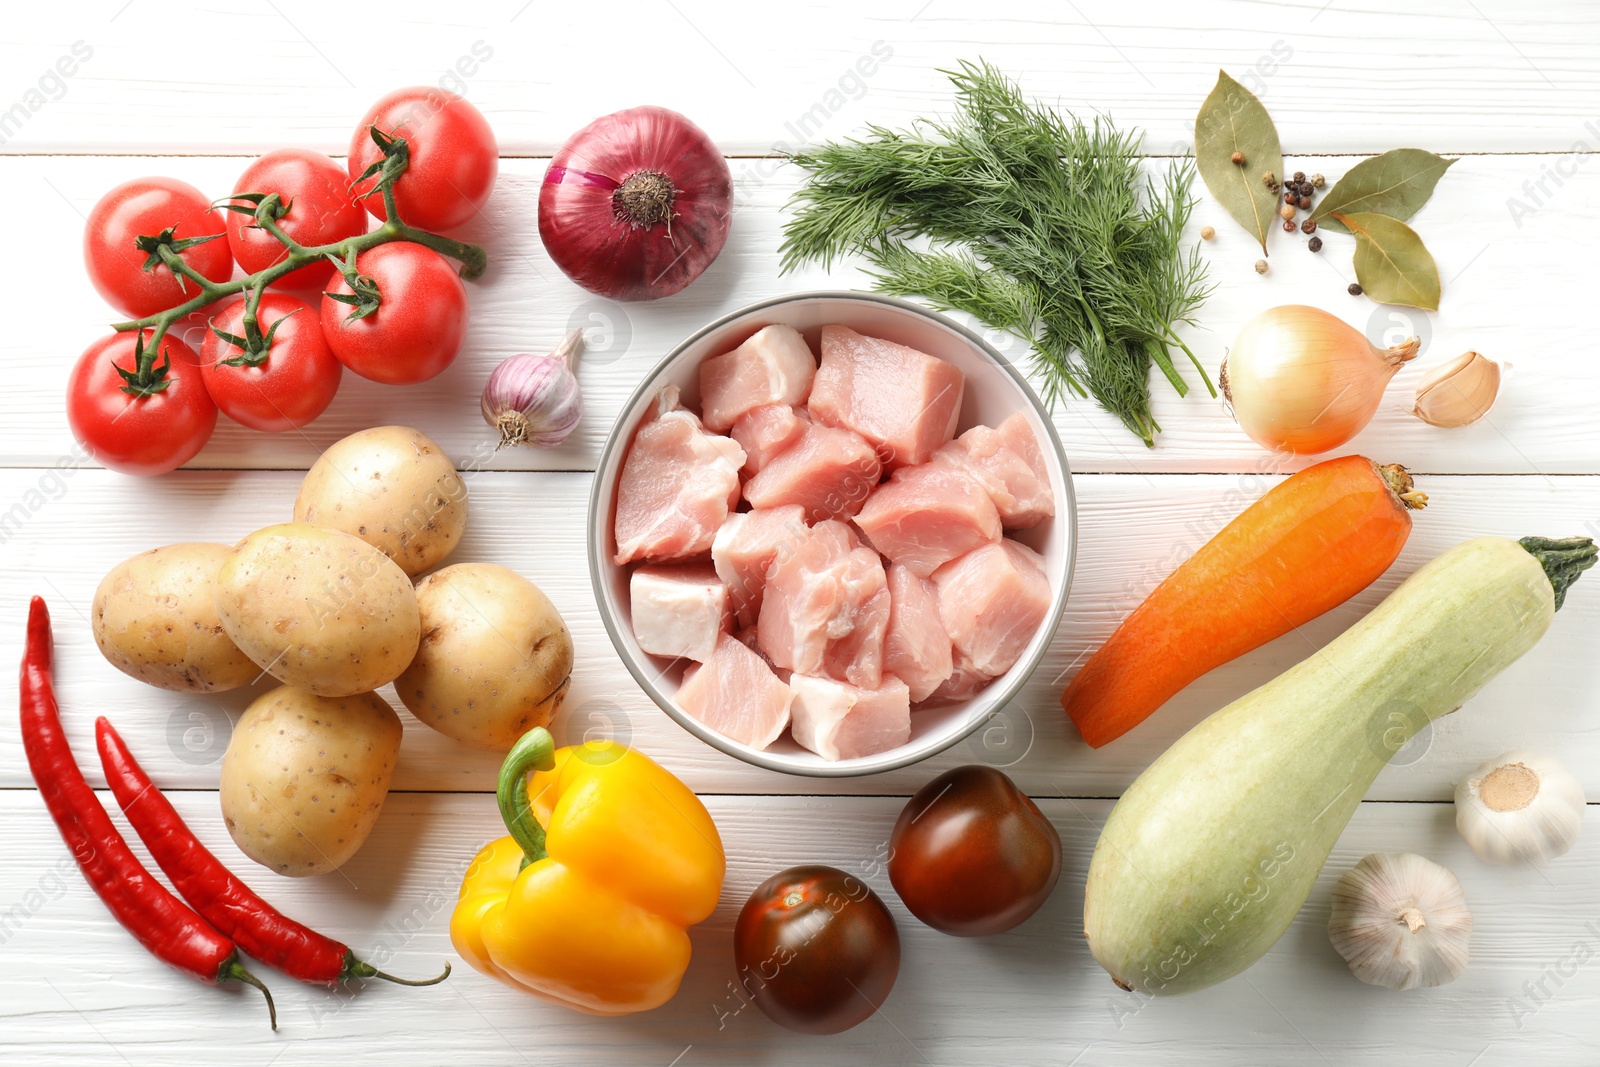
(1458,392)
(1401,921)
(1519,809)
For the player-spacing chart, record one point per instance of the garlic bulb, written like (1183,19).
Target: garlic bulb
(1458,392)
(534,399)
(1300,380)
(1401,921)
(1520,808)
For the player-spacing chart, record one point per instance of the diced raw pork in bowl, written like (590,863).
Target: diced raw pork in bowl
(831,534)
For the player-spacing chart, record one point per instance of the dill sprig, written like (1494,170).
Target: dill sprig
(1034,223)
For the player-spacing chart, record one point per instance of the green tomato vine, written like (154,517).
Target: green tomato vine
(149,377)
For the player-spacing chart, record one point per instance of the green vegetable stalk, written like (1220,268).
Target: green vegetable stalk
(1040,225)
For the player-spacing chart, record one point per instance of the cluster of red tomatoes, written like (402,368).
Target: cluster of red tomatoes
(281,370)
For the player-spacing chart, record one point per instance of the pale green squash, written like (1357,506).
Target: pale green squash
(1210,853)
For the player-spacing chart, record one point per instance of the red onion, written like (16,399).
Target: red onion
(636,204)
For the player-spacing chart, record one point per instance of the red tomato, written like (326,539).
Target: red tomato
(292,386)
(139,435)
(321,211)
(416,331)
(453,157)
(145,207)
(816,949)
(971,855)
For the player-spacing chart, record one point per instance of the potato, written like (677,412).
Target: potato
(304,777)
(318,609)
(392,487)
(495,657)
(155,618)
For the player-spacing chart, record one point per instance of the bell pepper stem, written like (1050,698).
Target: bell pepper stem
(534,750)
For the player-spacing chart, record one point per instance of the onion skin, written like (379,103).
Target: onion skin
(1302,381)
(611,254)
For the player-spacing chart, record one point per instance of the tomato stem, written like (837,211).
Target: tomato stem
(176,264)
(253,345)
(473,259)
(271,226)
(252,309)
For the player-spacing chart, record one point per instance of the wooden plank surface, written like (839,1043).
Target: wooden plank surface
(1504,296)
(1483,76)
(536,522)
(1510,87)
(1033,996)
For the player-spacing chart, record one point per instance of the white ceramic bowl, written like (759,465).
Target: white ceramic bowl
(994,391)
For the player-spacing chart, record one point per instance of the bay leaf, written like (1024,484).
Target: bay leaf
(1392,264)
(1396,184)
(1233,120)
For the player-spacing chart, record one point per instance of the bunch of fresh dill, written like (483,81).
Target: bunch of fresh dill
(1037,226)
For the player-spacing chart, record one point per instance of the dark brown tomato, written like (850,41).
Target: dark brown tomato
(817,949)
(971,855)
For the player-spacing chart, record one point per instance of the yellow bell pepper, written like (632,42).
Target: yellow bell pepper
(587,903)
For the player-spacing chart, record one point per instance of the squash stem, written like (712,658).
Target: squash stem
(1563,560)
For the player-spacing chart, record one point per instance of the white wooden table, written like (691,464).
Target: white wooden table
(1511,87)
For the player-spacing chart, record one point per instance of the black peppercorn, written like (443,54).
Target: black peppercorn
(1354,290)
(1299,175)
(1308,226)
(1315,244)
(1288,225)
(1291,198)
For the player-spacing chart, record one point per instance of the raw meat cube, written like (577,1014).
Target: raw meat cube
(679,609)
(903,401)
(915,647)
(926,516)
(765,431)
(750,639)
(736,694)
(1007,461)
(839,721)
(677,486)
(828,472)
(773,367)
(992,601)
(825,608)
(744,551)
(963,684)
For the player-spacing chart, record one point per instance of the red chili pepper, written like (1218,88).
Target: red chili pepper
(161,922)
(216,892)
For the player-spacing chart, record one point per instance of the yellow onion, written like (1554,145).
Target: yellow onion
(1300,380)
